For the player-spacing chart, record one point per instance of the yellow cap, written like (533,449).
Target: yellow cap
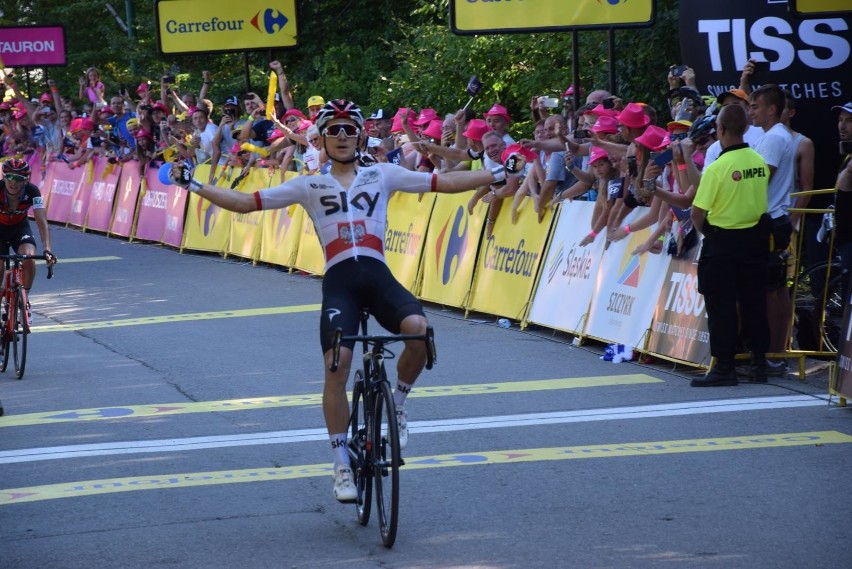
(316,100)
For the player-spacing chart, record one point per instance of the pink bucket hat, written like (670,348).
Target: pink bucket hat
(426,116)
(597,154)
(434,129)
(606,125)
(498,111)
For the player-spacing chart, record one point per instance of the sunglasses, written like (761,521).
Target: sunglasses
(349,130)
(679,136)
(16,177)
(291,119)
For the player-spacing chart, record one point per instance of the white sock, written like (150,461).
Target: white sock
(402,391)
(338,446)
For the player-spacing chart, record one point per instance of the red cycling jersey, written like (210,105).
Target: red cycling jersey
(30,198)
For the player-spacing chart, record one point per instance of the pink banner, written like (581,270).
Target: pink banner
(151,222)
(63,187)
(32,46)
(122,222)
(80,201)
(104,184)
(36,172)
(175,215)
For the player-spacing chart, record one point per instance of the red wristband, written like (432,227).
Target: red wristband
(627,229)
(434,187)
(593,233)
(681,167)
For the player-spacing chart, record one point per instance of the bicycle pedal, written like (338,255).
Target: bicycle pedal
(401,461)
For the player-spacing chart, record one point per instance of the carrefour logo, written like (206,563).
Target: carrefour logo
(269,21)
(273,21)
(612,2)
(451,246)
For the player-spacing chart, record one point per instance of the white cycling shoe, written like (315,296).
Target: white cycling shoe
(344,485)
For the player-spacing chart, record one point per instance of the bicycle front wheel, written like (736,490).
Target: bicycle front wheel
(359,443)
(21,329)
(386,460)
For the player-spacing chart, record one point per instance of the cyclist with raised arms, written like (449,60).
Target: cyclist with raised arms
(17,196)
(348,207)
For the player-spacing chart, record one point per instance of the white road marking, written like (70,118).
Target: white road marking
(446,425)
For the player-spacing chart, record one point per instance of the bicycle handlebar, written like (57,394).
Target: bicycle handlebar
(43,257)
(428,338)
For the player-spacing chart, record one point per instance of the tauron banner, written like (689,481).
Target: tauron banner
(32,46)
(192,26)
(810,57)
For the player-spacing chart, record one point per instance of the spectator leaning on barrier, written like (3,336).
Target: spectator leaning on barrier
(730,210)
(776,148)
(497,118)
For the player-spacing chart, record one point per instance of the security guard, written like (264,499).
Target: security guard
(730,210)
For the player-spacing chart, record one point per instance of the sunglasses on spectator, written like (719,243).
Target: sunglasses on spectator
(679,136)
(291,119)
(16,177)
(349,130)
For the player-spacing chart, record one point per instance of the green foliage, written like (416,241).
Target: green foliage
(379,53)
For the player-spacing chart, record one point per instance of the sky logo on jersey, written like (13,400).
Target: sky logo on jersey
(451,246)
(273,21)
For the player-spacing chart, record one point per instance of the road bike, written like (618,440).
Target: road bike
(819,305)
(373,446)
(14,312)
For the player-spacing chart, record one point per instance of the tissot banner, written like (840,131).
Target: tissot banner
(810,57)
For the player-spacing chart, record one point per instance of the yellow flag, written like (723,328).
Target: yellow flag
(270,98)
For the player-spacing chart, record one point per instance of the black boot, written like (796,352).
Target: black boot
(722,374)
(759,368)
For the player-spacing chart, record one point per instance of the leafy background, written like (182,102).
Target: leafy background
(380,53)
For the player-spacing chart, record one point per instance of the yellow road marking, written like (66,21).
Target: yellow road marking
(65,261)
(137,411)
(814,439)
(272,310)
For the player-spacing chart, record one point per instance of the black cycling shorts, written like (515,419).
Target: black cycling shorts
(352,284)
(15,235)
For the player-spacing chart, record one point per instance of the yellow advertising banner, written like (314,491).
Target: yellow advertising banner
(508,262)
(208,227)
(449,256)
(820,7)
(408,219)
(280,233)
(488,16)
(191,26)
(310,257)
(246,234)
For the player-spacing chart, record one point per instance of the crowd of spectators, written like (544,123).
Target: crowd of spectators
(621,155)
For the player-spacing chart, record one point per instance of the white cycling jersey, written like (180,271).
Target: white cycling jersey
(350,222)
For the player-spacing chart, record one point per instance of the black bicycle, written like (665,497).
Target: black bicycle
(373,446)
(819,305)
(14,312)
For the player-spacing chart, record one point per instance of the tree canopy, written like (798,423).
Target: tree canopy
(381,54)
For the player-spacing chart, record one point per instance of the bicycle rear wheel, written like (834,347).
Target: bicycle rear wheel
(21,329)
(359,445)
(386,460)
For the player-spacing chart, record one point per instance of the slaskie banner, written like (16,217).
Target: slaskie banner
(680,319)
(810,57)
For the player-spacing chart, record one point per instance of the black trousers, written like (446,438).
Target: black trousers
(732,272)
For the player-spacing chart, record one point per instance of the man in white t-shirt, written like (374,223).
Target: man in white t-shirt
(751,135)
(777,149)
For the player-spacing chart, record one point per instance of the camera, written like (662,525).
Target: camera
(549,102)
(170,78)
(632,166)
(608,103)
(677,70)
(231,113)
(845,146)
(582,133)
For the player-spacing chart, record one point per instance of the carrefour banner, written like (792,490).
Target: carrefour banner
(63,186)
(810,57)
(280,236)
(490,17)
(820,7)
(104,185)
(408,218)
(191,26)
(627,286)
(128,193)
(508,263)
(208,226)
(449,257)
(567,281)
(680,319)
